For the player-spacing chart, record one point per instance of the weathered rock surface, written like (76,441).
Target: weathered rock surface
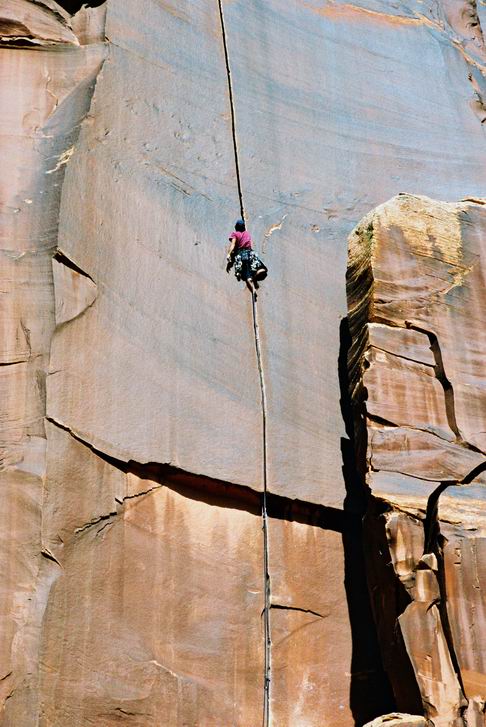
(307,624)
(158,596)
(45,94)
(156,163)
(462,520)
(133,552)
(42,23)
(369,99)
(417,316)
(396,719)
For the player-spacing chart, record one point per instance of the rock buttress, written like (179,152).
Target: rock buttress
(48,75)
(417,317)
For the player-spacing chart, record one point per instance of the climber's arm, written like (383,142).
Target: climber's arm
(231,247)
(229,256)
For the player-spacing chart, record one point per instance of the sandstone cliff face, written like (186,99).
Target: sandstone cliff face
(131,528)
(46,91)
(417,316)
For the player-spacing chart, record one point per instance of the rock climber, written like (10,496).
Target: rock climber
(248,266)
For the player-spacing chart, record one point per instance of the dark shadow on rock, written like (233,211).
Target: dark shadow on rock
(370,693)
(72,6)
(389,599)
(220,493)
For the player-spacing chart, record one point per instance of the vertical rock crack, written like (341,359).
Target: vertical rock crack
(433,543)
(446,384)
(266,573)
(443,380)
(266,570)
(232,106)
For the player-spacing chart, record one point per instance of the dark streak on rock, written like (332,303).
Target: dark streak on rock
(47,554)
(220,493)
(370,690)
(473,474)
(441,376)
(73,6)
(433,543)
(63,258)
(96,521)
(279,606)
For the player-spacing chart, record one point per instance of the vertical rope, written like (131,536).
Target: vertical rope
(266,569)
(266,573)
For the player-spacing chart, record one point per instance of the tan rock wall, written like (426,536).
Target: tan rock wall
(135,564)
(155,616)
(338,107)
(45,93)
(415,288)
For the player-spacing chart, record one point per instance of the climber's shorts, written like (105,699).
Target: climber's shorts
(249,265)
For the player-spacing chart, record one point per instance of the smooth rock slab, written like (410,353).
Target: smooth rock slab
(322,136)
(311,644)
(338,107)
(162,367)
(156,610)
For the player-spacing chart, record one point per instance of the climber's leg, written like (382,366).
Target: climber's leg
(258,268)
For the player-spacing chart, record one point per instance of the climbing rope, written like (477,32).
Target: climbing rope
(266,572)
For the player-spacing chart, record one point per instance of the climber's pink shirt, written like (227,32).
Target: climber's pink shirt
(243,240)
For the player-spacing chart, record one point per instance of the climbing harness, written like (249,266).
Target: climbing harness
(247,263)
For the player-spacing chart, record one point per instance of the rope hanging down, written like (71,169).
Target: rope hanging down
(266,571)
(266,574)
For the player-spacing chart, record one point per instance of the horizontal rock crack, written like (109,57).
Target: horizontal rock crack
(281,607)
(219,492)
